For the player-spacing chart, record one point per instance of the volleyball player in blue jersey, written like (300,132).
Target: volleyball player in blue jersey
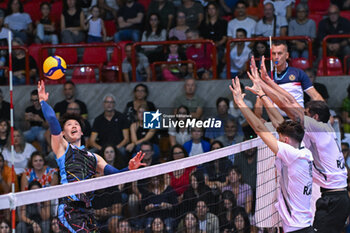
(75,163)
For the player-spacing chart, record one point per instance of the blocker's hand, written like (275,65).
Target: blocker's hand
(236,90)
(135,162)
(43,95)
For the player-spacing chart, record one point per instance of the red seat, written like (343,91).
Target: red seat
(334,67)
(83,74)
(122,45)
(145,3)
(33,9)
(300,63)
(316,17)
(318,6)
(345,14)
(110,27)
(94,55)
(33,50)
(70,55)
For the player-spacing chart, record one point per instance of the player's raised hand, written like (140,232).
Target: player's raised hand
(135,162)
(256,88)
(42,94)
(236,90)
(253,69)
(264,75)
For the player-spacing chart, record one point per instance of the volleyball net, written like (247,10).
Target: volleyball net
(205,182)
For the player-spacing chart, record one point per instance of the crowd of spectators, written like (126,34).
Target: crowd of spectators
(160,20)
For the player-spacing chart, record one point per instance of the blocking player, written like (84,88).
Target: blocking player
(329,171)
(75,163)
(294,164)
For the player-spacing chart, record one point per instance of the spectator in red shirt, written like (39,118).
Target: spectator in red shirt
(201,54)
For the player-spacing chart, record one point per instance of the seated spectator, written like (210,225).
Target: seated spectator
(227,6)
(6,177)
(4,33)
(230,136)
(153,32)
(198,190)
(130,18)
(179,31)
(45,27)
(242,191)
(108,8)
(55,228)
(143,71)
(158,226)
(166,11)
(72,23)
(255,9)
(201,54)
(69,92)
(179,180)
(5,226)
(113,156)
(208,222)
(239,55)
(260,48)
(194,13)
(174,72)
(241,221)
(37,171)
(35,122)
(110,127)
(159,201)
(282,8)
(138,133)
(345,151)
(22,152)
(216,171)
(180,135)
(190,99)
(334,24)
(95,26)
(113,224)
(4,133)
(342,4)
(34,217)
(4,108)
(123,226)
(226,209)
(271,25)
(346,111)
(19,65)
(214,28)
(222,105)
(196,145)
(140,98)
(189,224)
(301,26)
(18,22)
(242,20)
(319,87)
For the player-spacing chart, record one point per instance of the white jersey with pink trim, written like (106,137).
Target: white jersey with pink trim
(294,195)
(294,81)
(329,166)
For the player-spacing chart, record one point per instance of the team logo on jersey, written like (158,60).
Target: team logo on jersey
(307,189)
(340,162)
(291,77)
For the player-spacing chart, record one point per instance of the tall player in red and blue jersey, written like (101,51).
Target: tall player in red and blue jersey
(75,163)
(293,80)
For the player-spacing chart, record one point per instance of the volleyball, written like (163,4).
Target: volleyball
(54,67)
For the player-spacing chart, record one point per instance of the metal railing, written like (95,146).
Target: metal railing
(202,41)
(228,47)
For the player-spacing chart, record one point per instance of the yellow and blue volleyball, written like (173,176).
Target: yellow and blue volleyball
(54,67)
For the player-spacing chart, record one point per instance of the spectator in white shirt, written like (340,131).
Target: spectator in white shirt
(270,24)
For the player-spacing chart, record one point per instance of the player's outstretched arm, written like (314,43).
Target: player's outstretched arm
(106,169)
(259,128)
(274,115)
(58,143)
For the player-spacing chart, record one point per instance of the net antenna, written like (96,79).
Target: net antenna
(271,62)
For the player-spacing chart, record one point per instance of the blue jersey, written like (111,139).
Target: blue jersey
(295,81)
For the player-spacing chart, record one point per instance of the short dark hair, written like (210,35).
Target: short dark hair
(141,85)
(242,30)
(147,143)
(66,117)
(280,42)
(345,144)
(45,3)
(34,92)
(320,108)
(172,151)
(291,129)
(69,82)
(242,2)
(220,99)
(34,182)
